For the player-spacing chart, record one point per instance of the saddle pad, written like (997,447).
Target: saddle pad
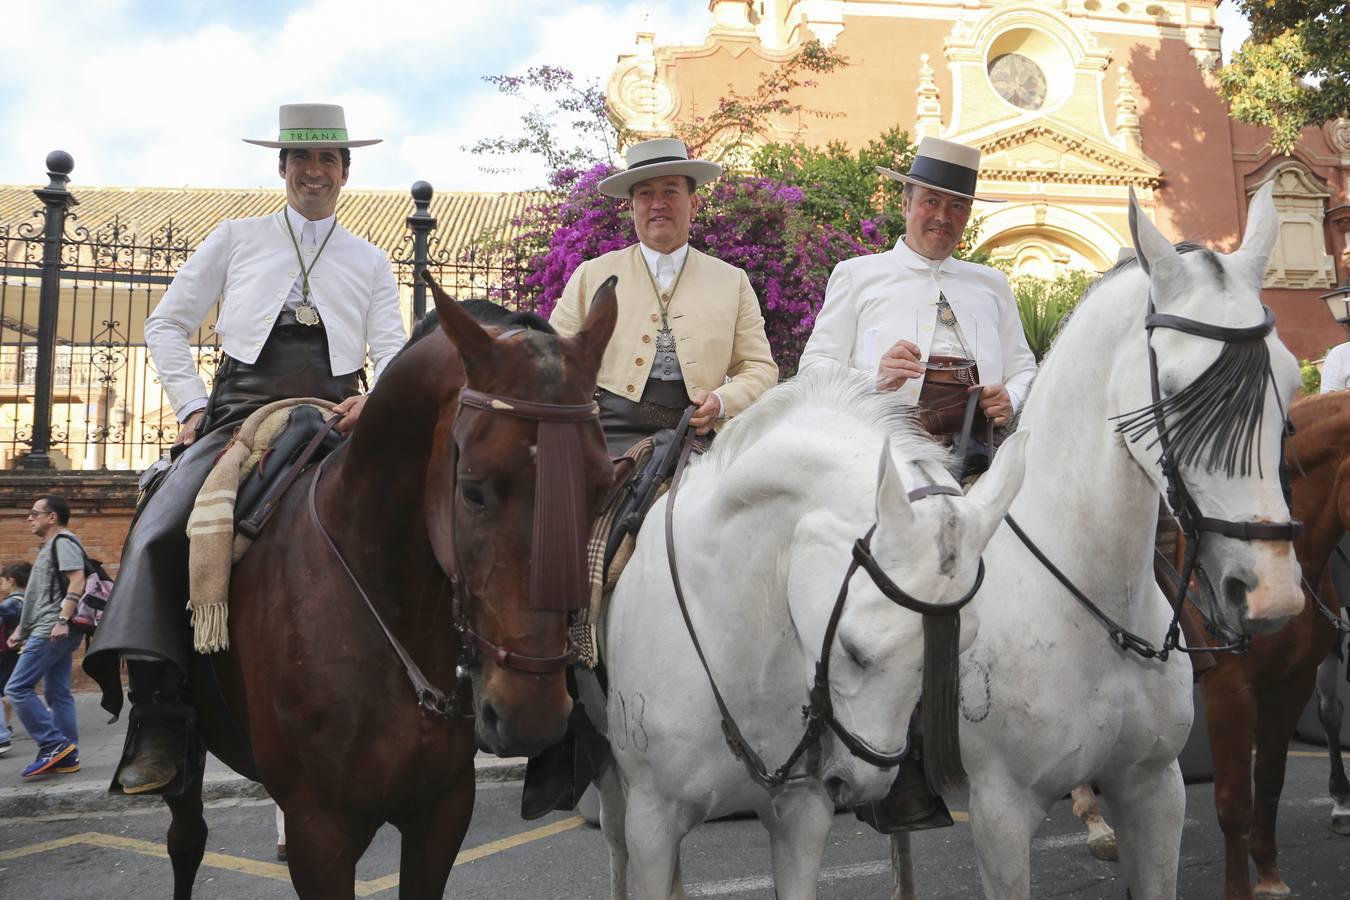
(213,547)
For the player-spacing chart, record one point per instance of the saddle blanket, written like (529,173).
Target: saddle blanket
(214,547)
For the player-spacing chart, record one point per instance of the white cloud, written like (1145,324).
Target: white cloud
(141,103)
(1235,29)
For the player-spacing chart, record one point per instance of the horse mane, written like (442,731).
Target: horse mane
(485,312)
(839,389)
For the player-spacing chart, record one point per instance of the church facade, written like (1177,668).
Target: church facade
(1072,102)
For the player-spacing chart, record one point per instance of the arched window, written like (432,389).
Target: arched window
(1300,258)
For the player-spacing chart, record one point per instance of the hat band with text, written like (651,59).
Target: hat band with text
(313,135)
(944,175)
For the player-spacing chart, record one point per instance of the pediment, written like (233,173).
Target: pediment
(1052,151)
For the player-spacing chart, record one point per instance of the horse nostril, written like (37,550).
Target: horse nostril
(487,715)
(836,788)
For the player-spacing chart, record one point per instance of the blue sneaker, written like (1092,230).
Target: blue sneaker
(49,759)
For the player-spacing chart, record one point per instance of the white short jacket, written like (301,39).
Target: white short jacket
(251,266)
(873,301)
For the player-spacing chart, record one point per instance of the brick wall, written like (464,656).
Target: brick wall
(101,505)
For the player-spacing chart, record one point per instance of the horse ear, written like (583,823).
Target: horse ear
(994,493)
(1263,227)
(894,513)
(595,332)
(1156,255)
(472,341)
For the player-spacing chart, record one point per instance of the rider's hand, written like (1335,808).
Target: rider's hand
(709,408)
(187,432)
(996,403)
(898,365)
(350,410)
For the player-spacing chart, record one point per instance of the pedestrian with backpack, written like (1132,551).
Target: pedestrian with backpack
(13,581)
(54,590)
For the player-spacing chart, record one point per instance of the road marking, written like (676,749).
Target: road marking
(278,871)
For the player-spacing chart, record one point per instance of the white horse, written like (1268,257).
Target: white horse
(1049,701)
(764,527)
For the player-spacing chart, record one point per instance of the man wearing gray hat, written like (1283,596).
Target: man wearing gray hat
(689,329)
(302,303)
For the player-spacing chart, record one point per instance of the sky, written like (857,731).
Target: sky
(157,93)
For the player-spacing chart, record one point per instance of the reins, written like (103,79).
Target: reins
(1191,521)
(818,713)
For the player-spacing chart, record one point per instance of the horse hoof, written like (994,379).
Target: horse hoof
(1340,823)
(1103,847)
(1277,890)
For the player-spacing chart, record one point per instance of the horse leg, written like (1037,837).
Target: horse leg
(1101,839)
(1003,818)
(1277,716)
(902,868)
(654,828)
(1329,711)
(1150,809)
(322,848)
(431,843)
(187,835)
(1231,719)
(612,815)
(798,823)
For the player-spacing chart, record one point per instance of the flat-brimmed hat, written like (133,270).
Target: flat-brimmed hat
(943,166)
(312,125)
(657,158)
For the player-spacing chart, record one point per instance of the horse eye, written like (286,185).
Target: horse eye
(472,495)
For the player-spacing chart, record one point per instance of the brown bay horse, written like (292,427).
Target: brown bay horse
(430,508)
(1254,701)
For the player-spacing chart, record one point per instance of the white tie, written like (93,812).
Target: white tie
(307,233)
(665,272)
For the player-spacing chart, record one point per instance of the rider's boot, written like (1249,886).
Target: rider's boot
(157,734)
(912,804)
(557,777)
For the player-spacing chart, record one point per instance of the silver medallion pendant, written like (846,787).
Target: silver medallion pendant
(306,314)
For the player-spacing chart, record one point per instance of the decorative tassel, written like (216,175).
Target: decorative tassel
(210,628)
(941,702)
(558,576)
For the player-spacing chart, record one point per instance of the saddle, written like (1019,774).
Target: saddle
(306,438)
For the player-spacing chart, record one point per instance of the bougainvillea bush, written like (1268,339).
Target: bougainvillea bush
(755,223)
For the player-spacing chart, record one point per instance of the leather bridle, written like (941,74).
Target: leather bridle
(565,421)
(818,713)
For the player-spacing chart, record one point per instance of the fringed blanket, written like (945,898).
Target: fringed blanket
(583,628)
(214,546)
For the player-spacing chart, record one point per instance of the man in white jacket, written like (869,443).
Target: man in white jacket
(933,328)
(302,303)
(914,317)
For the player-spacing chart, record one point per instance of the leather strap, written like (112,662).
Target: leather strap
(529,409)
(253,525)
(1207,330)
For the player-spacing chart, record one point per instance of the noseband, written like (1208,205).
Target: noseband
(818,713)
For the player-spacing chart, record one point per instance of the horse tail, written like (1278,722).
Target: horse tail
(941,699)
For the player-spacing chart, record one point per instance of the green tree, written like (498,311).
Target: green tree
(1312,376)
(1294,71)
(1044,304)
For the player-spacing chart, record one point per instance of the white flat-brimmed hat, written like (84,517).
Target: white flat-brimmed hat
(943,166)
(312,125)
(655,159)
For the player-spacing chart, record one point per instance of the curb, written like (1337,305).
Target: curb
(55,798)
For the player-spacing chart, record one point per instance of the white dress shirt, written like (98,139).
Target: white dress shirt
(1336,369)
(250,265)
(873,301)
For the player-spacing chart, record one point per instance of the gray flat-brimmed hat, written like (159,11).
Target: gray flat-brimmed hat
(657,158)
(943,166)
(311,125)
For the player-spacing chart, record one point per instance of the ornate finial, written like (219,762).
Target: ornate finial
(928,114)
(1129,137)
(59,166)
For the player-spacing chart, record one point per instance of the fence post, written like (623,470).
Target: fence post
(422,223)
(57,200)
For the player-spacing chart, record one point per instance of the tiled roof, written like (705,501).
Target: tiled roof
(378,216)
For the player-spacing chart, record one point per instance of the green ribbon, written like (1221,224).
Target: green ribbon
(313,135)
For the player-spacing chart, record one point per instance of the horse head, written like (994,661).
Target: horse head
(519,474)
(887,653)
(1207,426)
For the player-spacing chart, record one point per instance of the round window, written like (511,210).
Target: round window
(1018,80)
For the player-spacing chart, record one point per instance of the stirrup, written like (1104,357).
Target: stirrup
(191,758)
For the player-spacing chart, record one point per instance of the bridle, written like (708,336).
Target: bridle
(1193,523)
(818,713)
(559,540)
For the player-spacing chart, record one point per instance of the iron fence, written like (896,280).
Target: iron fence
(77,388)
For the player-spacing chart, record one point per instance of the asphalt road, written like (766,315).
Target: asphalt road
(112,856)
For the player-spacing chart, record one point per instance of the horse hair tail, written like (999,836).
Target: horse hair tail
(941,701)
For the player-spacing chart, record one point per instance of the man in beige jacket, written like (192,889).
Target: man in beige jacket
(690,329)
